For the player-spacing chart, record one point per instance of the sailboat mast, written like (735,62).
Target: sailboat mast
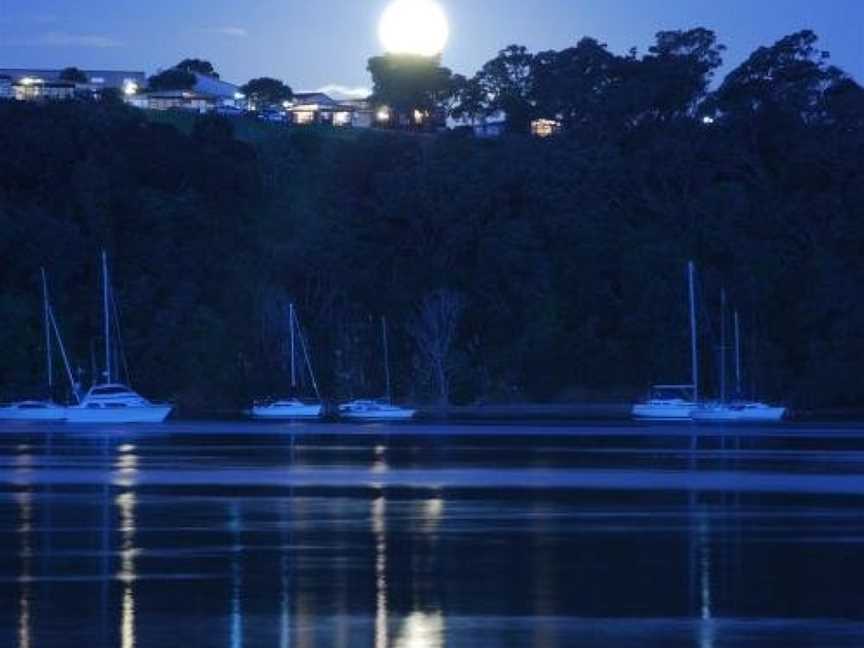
(737,355)
(46,313)
(63,354)
(304,347)
(106,317)
(293,368)
(694,350)
(723,345)
(386,358)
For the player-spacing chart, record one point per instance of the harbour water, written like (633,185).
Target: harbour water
(424,536)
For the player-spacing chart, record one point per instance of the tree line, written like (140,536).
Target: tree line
(508,269)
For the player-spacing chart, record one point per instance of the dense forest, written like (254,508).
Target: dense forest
(509,269)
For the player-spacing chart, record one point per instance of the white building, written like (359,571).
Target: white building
(318,108)
(6,87)
(29,84)
(207,94)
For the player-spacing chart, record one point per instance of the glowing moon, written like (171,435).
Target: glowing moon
(414,27)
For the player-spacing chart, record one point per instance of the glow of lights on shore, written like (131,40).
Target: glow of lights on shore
(416,27)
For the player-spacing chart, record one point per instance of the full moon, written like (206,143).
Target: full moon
(414,27)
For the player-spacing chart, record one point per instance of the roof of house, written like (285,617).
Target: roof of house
(314,98)
(215,87)
(107,78)
(176,94)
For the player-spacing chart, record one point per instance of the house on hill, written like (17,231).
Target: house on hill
(318,108)
(6,87)
(208,93)
(35,84)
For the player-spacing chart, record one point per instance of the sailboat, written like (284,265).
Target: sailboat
(44,410)
(737,410)
(381,409)
(294,408)
(110,401)
(676,402)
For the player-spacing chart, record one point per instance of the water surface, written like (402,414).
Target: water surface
(420,536)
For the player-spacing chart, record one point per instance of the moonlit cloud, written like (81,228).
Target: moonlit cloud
(348,92)
(230,31)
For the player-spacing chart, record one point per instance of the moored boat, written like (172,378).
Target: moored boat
(287,409)
(292,408)
(738,410)
(110,401)
(116,403)
(380,409)
(675,402)
(375,410)
(44,410)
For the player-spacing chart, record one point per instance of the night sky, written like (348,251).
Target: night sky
(314,44)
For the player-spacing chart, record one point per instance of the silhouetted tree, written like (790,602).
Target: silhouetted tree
(74,75)
(172,79)
(265,92)
(433,328)
(414,88)
(507,84)
(198,65)
(792,76)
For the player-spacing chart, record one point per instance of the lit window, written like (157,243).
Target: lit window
(97,80)
(545,127)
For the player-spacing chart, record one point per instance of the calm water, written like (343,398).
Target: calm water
(237,535)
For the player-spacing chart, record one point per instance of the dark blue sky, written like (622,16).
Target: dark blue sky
(312,44)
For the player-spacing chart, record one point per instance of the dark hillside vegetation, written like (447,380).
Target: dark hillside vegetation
(562,261)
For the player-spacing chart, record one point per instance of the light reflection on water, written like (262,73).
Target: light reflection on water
(25,552)
(442,561)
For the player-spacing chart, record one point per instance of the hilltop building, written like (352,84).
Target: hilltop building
(32,84)
(6,87)
(207,94)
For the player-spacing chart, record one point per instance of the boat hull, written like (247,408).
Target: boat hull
(671,413)
(132,414)
(732,414)
(48,413)
(289,412)
(402,415)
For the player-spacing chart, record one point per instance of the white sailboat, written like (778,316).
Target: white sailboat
(113,402)
(293,408)
(738,410)
(676,402)
(43,410)
(382,409)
